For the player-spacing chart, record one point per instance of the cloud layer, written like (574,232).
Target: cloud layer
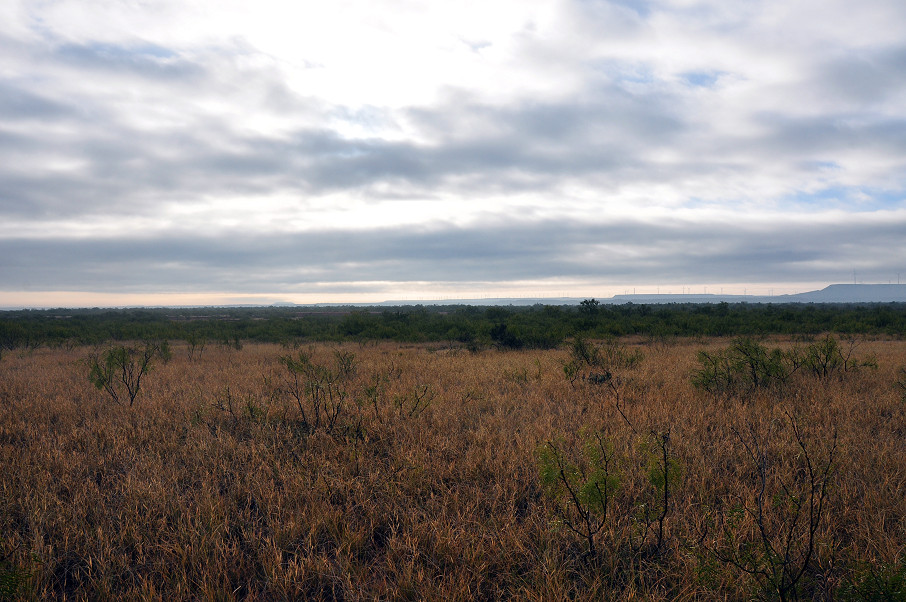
(212,147)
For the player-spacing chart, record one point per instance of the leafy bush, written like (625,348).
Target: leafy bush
(196,344)
(15,581)
(746,364)
(504,338)
(828,357)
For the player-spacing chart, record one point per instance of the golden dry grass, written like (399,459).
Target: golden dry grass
(178,498)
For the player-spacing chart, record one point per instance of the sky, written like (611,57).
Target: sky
(195,152)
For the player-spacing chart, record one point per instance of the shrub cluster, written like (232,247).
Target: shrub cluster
(597,362)
(748,364)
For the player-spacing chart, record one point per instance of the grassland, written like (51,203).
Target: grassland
(426,485)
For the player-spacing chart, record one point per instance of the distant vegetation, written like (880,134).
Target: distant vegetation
(535,327)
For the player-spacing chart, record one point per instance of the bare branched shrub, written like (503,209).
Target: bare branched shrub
(664,473)
(900,383)
(772,535)
(581,487)
(596,362)
(119,370)
(249,409)
(196,344)
(416,402)
(320,391)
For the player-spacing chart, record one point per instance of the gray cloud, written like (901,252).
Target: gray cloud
(615,252)
(97,131)
(18,104)
(864,78)
(144,61)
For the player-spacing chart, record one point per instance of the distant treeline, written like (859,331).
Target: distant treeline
(538,326)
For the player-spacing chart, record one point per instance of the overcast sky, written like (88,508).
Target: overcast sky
(195,151)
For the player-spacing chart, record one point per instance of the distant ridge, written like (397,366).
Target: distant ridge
(834,293)
(856,293)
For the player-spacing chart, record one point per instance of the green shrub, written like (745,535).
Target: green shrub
(828,357)
(745,365)
(748,364)
(16,581)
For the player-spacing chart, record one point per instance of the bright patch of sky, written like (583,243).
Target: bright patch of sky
(287,150)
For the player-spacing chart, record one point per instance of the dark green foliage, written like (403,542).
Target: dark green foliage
(15,581)
(505,339)
(539,326)
(717,373)
(877,581)
(759,366)
(827,357)
(196,344)
(12,335)
(824,357)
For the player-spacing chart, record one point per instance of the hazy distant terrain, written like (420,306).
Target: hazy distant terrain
(835,293)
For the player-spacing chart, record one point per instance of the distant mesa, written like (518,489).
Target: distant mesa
(835,293)
(856,293)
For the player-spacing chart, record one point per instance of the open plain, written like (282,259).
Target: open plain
(403,471)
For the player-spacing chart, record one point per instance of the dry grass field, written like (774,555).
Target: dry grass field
(426,482)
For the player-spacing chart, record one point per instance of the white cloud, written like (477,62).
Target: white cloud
(287,118)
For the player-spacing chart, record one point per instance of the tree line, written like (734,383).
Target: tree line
(512,327)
